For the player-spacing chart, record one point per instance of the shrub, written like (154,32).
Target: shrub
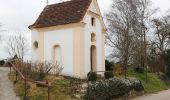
(167,62)
(112,88)
(108,89)
(92,76)
(57,69)
(162,76)
(139,69)
(168,71)
(8,64)
(108,65)
(118,70)
(38,71)
(137,85)
(108,75)
(2,62)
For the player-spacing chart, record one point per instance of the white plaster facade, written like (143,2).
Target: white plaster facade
(75,44)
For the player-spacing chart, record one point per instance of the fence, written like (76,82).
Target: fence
(38,83)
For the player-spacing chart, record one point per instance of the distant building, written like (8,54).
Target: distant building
(73,34)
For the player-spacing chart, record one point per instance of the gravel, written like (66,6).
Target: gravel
(6,86)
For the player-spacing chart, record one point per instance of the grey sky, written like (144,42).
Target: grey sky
(16,15)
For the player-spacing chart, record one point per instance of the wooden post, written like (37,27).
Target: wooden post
(10,69)
(16,76)
(48,93)
(25,86)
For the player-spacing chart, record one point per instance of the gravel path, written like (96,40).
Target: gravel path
(6,87)
(7,92)
(163,95)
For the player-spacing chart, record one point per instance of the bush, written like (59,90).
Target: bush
(167,62)
(162,76)
(112,88)
(38,71)
(108,89)
(139,69)
(137,85)
(108,65)
(42,69)
(2,62)
(57,69)
(92,76)
(108,75)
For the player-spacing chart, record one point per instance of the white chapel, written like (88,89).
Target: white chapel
(71,33)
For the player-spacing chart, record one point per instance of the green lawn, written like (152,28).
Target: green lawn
(153,84)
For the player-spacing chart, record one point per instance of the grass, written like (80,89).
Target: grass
(153,84)
(60,89)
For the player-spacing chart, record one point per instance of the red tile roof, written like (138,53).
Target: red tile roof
(62,13)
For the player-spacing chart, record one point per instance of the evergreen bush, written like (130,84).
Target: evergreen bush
(92,76)
(108,65)
(139,69)
(2,62)
(112,88)
(108,75)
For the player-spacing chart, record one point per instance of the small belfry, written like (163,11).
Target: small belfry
(71,34)
(47,2)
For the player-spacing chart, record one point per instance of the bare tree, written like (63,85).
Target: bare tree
(127,30)
(162,34)
(161,41)
(120,29)
(144,15)
(17,45)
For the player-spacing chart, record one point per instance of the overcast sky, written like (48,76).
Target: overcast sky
(17,15)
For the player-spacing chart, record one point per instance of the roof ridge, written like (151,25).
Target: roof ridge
(64,2)
(62,13)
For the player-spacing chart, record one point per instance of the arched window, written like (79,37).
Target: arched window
(93,37)
(93,21)
(35,45)
(93,58)
(57,55)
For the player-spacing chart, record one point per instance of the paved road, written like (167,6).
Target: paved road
(163,95)
(6,87)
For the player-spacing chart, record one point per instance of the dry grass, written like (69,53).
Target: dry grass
(60,89)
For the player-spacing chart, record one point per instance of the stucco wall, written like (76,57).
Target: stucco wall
(64,39)
(34,52)
(97,29)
